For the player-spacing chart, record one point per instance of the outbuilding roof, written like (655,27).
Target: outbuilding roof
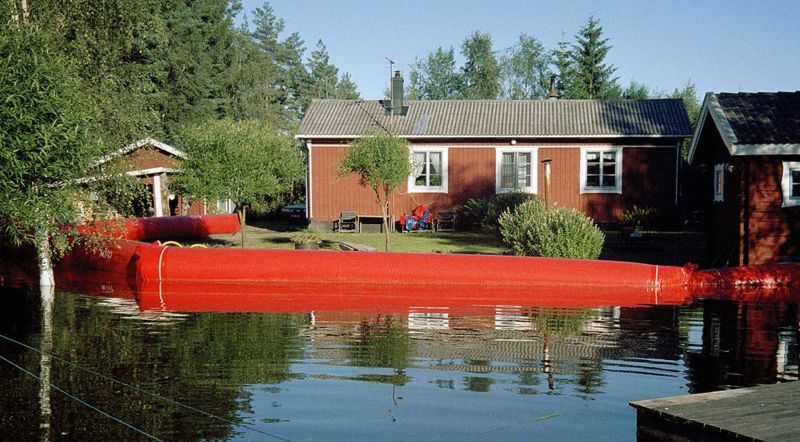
(753,123)
(499,119)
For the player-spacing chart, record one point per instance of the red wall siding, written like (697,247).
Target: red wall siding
(648,181)
(774,231)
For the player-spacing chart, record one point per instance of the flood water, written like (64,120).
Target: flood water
(491,372)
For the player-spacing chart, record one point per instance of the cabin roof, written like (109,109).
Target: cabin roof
(346,119)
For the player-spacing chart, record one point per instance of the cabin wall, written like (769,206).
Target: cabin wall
(774,231)
(648,180)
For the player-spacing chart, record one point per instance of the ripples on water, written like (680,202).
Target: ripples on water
(492,372)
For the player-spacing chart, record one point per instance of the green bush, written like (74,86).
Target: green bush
(641,217)
(532,229)
(501,203)
(473,212)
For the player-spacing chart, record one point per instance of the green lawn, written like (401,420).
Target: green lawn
(667,248)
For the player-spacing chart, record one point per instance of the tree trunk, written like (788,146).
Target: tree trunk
(44,255)
(242,222)
(385,210)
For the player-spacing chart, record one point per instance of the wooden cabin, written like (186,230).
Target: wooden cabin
(747,147)
(606,156)
(155,163)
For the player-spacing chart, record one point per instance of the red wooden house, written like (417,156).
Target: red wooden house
(155,163)
(606,155)
(747,146)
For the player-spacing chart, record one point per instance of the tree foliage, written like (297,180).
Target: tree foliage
(481,71)
(382,164)
(525,70)
(592,77)
(435,77)
(239,161)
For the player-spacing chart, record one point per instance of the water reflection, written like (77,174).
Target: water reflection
(472,370)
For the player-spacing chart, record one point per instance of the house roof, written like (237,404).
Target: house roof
(753,123)
(174,151)
(499,119)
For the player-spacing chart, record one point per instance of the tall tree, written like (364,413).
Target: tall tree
(46,144)
(525,70)
(593,76)
(382,164)
(324,75)
(561,59)
(637,91)
(481,71)
(689,96)
(241,161)
(435,77)
(295,78)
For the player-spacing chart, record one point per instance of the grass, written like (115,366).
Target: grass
(665,248)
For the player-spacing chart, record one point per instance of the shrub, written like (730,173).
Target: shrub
(532,229)
(473,212)
(501,203)
(641,217)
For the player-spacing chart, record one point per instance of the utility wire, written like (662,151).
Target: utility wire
(139,389)
(81,401)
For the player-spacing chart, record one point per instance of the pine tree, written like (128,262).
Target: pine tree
(593,77)
(562,62)
(346,89)
(324,75)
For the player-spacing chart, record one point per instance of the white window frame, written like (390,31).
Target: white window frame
(718,183)
(412,186)
(534,152)
(786,184)
(224,206)
(617,173)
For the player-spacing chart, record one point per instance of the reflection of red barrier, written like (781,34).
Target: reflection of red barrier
(385,298)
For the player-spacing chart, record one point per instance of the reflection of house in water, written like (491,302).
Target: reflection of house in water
(740,343)
(745,344)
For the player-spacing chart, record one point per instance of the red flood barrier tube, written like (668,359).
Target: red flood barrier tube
(426,270)
(165,227)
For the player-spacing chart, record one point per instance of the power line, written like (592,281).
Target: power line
(139,389)
(81,401)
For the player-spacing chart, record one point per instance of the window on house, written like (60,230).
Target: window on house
(790,184)
(601,170)
(719,182)
(428,170)
(516,170)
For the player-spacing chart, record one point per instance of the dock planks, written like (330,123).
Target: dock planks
(767,412)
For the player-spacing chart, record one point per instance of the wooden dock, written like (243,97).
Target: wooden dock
(768,413)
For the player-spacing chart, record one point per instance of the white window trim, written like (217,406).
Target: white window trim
(618,175)
(498,161)
(412,187)
(719,170)
(786,184)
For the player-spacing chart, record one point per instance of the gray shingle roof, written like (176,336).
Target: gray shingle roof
(763,117)
(499,118)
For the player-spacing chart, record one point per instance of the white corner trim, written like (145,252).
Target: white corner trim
(412,188)
(786,184)
(498,161)
(152,171)
(141,143)
(719,173)
(698,129)
(618,175)
(157,205)
(309,187)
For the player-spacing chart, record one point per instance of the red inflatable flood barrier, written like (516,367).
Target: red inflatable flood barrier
(242,275)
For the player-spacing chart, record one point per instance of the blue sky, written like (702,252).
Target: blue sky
(722,46)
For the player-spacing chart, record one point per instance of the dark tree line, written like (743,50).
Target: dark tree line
(152,66)
(523,71)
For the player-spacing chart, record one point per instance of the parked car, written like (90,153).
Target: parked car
(294,212)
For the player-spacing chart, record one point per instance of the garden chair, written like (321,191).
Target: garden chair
(347,222)
(445,221)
